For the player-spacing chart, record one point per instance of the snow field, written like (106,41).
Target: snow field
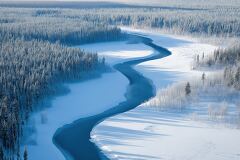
(145,133)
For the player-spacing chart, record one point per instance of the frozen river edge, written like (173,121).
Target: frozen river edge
(74,139)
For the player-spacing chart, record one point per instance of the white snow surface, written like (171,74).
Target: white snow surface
(117,52)
(145,134)
(84,99)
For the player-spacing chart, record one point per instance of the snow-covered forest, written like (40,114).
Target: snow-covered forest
(34,59)
(200,21)
(222,20)
(217,21)
(43,24)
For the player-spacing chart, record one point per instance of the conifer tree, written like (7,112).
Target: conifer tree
(203,77)
(25,154)
(198,59)
(188,89)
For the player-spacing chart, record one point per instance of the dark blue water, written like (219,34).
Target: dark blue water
(74,139)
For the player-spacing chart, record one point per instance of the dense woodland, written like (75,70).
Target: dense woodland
(215,21)
(203,22)
(35,57)
(31,24)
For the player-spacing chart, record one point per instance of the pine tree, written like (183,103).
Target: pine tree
(203,77)
(188,89)
(25,154)
(198,59)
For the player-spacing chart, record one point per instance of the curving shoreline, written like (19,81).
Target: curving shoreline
(74,140)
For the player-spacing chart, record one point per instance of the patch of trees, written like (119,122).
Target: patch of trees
(197,92)
(229,56)
(175,96)
(232,76)
(229,59)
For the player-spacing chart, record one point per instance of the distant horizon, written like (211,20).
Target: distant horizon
(145,2)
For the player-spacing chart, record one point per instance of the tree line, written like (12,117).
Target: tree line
(217,21)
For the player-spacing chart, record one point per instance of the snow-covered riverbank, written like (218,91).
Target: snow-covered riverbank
(85,99)
(147,134)
(82,101)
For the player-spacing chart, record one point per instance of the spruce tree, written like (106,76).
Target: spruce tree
(203,77)
(198,59)
(188,89)
(25,154)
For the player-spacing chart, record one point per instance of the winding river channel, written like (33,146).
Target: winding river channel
(74,140)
